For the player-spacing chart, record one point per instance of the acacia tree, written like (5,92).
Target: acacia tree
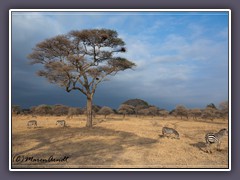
(42,109)
(209,112)
(125,109)
(139,108)
(73,111)
(105,111)
(60,110)
(164,113)
(144,112)
(195,112)
(153,111)
(181,111)
(80,60)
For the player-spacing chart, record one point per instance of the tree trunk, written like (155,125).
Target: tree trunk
(89,112)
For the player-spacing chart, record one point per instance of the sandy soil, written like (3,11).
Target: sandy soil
(114,142)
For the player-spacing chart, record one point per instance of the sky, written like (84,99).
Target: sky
(181,58)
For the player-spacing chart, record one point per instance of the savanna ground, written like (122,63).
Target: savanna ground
(114,142)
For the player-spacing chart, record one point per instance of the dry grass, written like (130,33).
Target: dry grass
(116,143)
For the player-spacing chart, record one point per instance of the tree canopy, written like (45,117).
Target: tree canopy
(80,60)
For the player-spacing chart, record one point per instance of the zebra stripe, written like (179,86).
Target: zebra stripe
(215,138)
(211,138)
(61,123)
(32,123)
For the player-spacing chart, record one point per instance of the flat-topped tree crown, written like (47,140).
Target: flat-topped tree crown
(80,60)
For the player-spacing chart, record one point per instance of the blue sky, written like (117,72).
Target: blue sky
(181,57)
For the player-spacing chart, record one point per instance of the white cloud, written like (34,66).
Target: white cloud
(168,58)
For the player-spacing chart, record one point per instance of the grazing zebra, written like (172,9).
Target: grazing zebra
(61,123)
(32,123)
(212,138)
(166,131)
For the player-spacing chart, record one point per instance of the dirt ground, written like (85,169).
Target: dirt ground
(114,142)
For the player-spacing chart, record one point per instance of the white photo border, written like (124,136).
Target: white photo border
(120,10)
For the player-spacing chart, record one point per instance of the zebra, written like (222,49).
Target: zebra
(32,123)
(61,123)
(166,131)
(212,138)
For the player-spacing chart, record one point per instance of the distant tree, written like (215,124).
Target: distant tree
(223,105)
(163,113)
(136,102)
(95,109)
(126,109)
(195,112)
(60,110)
(80,60)
(173,113)
(224,109)
(144,112)
(73,111)
(16,109)
(211,105)
(209,113)
(105,111)
(181,111)
(153,111)
(139,108)
(42,109)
